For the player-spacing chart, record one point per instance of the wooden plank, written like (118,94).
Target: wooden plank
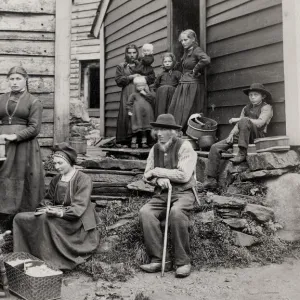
(247,59)
(261,19)
(113,97)
(82,29)
(85,50)
(152,14)
(115,4)
(74,93)
(85,7)
(34,48)
(46,130)
(276,129)
(84,14)
(214,2)
(84,43)
(29,36)
(82,56)
(33,65)
(158,39)
(80,36)
(113,89)
(81,2)
(46,99)
(74,81)
(101,13)
(82,22)
(264,74)
(23,22)
(111,178)
(45,142)
(28,6)
(112,114)
(102,82)
(223,114)
(130,18)
(36,84)
(250,40)
(243,10)
(112,105)
(110,131)
(224,6)
(111,122)
(126,9)
(159,26)
(233,97)
(62,70)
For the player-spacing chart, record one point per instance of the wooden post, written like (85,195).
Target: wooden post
(102,81)
(291,56)
(202,44)
(86,86)
(62,70)
(170,25)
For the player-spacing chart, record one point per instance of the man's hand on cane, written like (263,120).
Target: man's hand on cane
(164,183)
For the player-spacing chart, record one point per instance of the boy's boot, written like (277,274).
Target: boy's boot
(241,156)
(210,183)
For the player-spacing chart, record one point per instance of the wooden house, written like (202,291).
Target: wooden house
(64,44)
(248,41)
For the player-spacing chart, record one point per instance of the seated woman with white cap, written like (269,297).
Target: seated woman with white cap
(63,230)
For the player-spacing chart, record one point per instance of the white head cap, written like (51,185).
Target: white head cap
(139,79)
(148,47)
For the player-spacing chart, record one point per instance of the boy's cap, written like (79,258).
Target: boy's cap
(258,87)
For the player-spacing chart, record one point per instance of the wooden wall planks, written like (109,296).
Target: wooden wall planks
(244,40)
(27,33)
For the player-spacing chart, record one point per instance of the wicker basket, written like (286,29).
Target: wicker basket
(28,287)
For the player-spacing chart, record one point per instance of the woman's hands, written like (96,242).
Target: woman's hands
(54,212)
(9,137)
(131,77)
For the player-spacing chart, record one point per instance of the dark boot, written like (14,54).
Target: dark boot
(241,156)
(210,183)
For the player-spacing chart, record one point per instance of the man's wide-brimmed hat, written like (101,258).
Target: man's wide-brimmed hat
(165,121)
(65,150)
(258,87)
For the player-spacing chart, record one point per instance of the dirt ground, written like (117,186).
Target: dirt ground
(272,282)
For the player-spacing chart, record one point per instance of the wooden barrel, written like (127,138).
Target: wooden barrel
(2,149)
(272,143)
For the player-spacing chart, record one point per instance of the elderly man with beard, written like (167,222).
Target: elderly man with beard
(171,161)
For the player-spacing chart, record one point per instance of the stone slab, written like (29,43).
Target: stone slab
(259,212)
(141,185)
(206,217)
(262,173)
(227,202)
(116,164)
(273,160)
(243,240)
(236,223)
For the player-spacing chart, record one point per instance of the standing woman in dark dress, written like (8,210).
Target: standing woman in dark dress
(125,73)
(187,97)
(21,174)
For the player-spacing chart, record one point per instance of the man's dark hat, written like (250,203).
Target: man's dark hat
(258,87)
(67,151)
(165,121)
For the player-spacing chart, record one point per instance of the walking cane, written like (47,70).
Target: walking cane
(166,230)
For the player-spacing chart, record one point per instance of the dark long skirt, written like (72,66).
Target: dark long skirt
(21,177)
(124,133)
(61,243)
(186,101)
(164,96)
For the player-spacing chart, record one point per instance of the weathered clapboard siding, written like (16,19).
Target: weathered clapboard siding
(27,38)
(244,40)
(126,22)
(83,47)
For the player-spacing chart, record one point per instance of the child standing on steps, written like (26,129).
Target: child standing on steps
(165,84)
(139,107)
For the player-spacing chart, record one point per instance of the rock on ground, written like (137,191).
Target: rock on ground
(243,240)
(273,160)
(259,212)
(223,201)
(262,173)
(236,223)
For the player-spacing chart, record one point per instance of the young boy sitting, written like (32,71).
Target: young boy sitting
(251,124)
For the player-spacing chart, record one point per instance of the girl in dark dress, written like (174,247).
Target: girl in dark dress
(140,109)
(165,84)
(21,174)
(187,97)
(63,231)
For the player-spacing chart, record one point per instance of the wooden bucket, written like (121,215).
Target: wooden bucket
(251,149)
(79,144)
(272,143)
(2,149)
(196,130)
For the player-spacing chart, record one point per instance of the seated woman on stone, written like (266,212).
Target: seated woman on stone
(251,124)
(62,231)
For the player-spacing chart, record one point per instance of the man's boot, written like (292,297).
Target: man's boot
(210,183)
(241,156)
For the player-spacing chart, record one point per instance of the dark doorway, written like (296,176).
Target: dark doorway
(184,15)
(94,88)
